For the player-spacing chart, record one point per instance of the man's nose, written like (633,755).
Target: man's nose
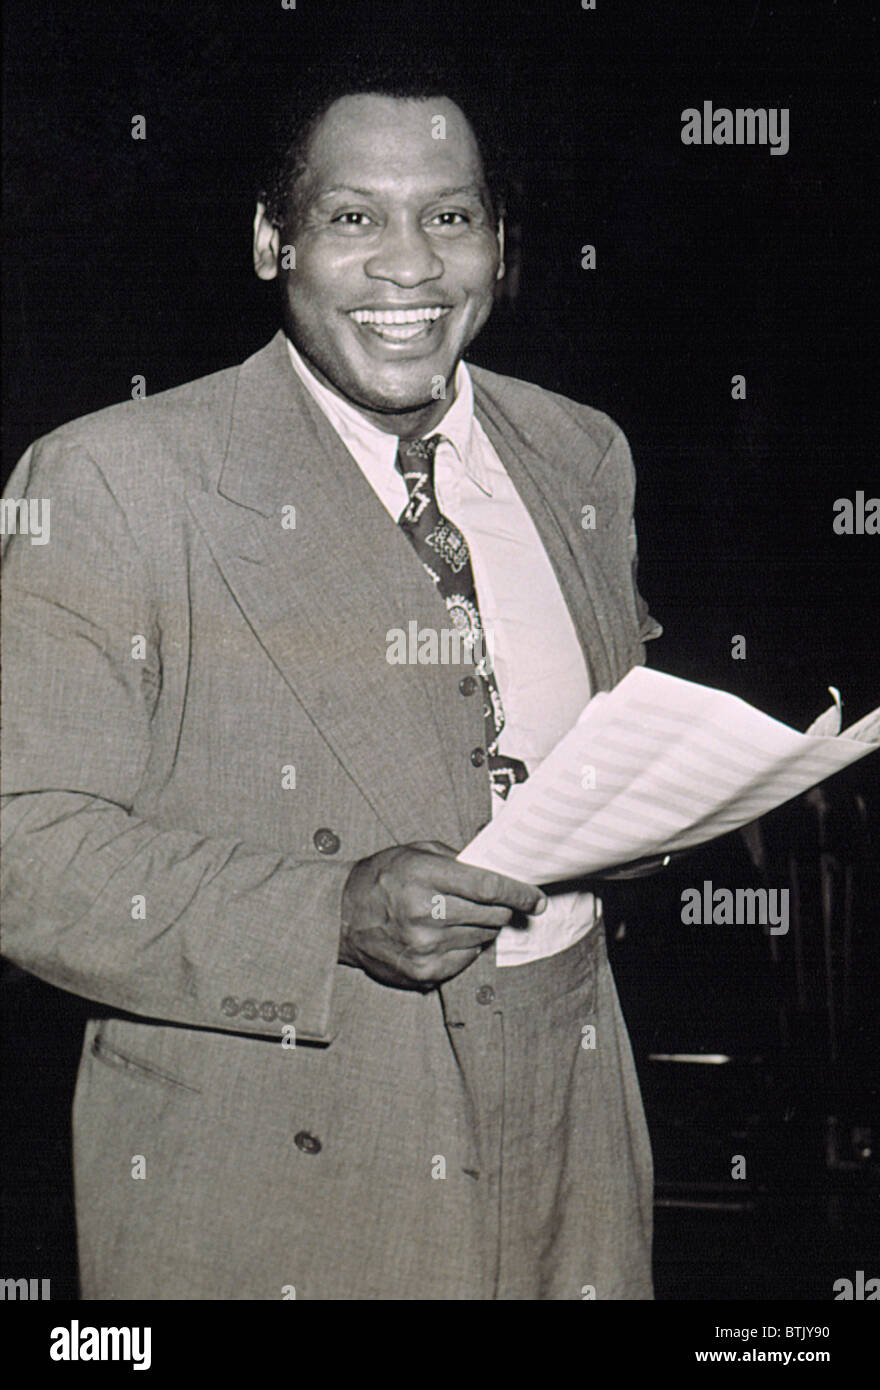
(405,256)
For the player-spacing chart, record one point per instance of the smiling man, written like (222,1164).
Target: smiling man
(329,1058)
(397,253)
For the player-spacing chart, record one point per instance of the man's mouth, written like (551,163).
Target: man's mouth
(400,325)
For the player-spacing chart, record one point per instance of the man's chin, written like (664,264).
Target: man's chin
(397,397)
(386,405)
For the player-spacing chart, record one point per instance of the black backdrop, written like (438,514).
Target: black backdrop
(132,257)
(129,257)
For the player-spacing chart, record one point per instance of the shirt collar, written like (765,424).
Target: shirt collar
(361,436)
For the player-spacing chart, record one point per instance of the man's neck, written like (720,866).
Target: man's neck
(406,424)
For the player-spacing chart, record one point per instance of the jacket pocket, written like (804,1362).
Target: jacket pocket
(125,1063)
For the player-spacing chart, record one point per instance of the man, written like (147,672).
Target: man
(330,1059)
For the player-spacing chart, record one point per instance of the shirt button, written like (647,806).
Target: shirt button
(478,757)
(230,1006)
(325,841)
(467,685)
(485,994)
(268,1011)
(307,1142)
(287,1012)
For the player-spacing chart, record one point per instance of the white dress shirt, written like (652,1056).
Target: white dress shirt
(539,666)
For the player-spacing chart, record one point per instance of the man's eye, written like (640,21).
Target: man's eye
(351,219)
(451,219)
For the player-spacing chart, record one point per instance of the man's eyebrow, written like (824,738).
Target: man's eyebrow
(468,189)
(472,189)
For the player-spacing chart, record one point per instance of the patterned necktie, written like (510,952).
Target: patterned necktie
(444,554)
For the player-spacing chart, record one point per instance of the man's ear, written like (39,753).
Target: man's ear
(499,274)
(267,240)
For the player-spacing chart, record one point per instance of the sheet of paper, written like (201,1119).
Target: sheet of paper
(655,765)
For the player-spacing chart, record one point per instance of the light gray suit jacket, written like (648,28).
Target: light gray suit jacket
(201,735)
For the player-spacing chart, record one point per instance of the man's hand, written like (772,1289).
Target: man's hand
(413,916)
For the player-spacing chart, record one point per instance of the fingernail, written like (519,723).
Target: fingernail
(540,906)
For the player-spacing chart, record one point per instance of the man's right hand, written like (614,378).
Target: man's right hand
(413,916)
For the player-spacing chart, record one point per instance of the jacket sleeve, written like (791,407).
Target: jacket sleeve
(167,923)
(649,627)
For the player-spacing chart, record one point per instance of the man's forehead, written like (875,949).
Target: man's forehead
(378,143)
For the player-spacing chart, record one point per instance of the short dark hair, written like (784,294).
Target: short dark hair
(404,78)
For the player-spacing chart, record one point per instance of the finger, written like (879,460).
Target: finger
(483,886)
(450,910)
(435,970)
(429,941)
(466,939)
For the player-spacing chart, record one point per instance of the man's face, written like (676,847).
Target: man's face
(396,251)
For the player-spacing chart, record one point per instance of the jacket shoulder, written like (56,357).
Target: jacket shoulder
(197,410)
(538,408)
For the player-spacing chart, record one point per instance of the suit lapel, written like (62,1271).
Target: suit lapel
(527,460)
(322,597)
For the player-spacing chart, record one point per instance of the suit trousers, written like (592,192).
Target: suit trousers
(563,1149)
(488,1143)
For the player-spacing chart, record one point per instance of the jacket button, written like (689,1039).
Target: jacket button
(325,841)
(249,1008)
(230,1006)
(268,1011)
(287,1012)
(307,1142)
(485,994)
(478,757)
(467,685)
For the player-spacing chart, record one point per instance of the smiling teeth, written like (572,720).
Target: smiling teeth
(397,316)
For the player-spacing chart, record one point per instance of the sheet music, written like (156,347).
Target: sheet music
(655,765)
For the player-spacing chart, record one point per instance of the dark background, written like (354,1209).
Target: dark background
(132,257)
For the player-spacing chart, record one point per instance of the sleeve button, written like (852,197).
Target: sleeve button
(249,1008)
(287,1012)
(229,1006)
(268,1011)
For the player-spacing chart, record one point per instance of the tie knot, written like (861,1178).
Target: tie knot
(415,464)
(418,451)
